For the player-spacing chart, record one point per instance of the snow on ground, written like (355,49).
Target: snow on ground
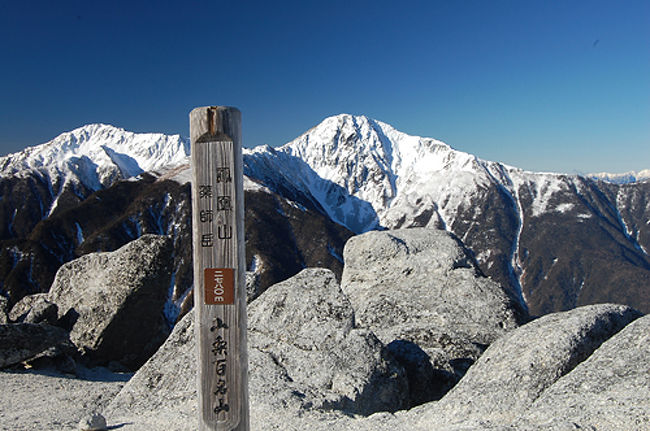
(565,207)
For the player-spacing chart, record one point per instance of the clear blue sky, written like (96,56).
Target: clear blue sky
(543,85)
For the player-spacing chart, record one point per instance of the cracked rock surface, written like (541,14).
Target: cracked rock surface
(422,293)
(519,367)
(102,297)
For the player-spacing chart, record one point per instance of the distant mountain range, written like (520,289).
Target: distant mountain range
(624,178)
(555,241)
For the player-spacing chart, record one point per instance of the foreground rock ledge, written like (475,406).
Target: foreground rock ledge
(22,341)
(305,358)
(608,391)
(519,367)
(610,385)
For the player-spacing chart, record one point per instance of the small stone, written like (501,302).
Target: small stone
(93,422)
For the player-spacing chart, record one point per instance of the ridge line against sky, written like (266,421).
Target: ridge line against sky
(543,86)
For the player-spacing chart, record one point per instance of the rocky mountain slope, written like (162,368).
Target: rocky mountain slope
(591,366)
(410,334)
(281,237)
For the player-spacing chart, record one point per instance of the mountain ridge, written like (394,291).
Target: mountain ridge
(110,150)
(363,175)
(396,155)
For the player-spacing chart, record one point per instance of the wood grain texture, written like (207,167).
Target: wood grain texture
(218,251)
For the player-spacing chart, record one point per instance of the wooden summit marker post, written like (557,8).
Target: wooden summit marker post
(219,265)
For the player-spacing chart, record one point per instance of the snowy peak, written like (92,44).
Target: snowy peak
(367,167)
(359,140)
(96,154)
(401,177)
(351,151)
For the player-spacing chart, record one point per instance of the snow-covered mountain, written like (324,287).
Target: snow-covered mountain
(624,178)
(95,156)
(365,175)
(93,189)
(41,180)
(97,153)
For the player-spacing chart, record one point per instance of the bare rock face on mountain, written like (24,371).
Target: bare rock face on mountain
(4,302)
(610,390)
(305,328)
(421,293)
(113,302)
(22,341)
(517,368)
(34,309)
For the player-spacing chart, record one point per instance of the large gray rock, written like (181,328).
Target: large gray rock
(307,366)
(421,292)
(22,341)
(305,326)
(608,391)
(34,309)
(113,302)
(516,369)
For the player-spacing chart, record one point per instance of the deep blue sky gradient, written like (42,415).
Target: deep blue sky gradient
(543,85)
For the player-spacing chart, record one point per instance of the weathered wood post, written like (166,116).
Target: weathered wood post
(219,267)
